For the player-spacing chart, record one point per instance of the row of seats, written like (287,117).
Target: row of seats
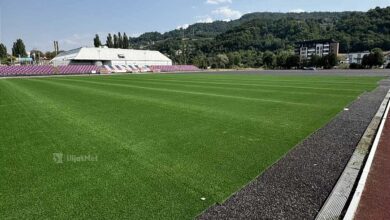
(47,70)
(127,69)
(153,68)
(88,69)
(78,69)
(174,68)
(25,70)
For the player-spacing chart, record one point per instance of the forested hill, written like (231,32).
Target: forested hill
(356,31)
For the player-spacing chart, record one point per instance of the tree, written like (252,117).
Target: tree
(292,61)
(222,60)
(329,61)
(237,59)
(269,59)
(96,41)
(50,55)
(116,41)
(375,58)
(251,58)
(378,57)
(120,40)
(200,61)
(3,51)
(19,49)
(315,61)
(234,59)
(367,61)
(281,59)
(126,42)
(109,41)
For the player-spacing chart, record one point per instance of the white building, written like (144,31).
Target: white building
(356,57)
(306,49)
(387,58)
(109,56)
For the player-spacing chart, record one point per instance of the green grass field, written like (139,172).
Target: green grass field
(162,141)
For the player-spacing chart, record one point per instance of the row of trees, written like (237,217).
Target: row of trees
(375,58)
(326,62)
(3,51)
(113,41)
(18,49)
(250,58)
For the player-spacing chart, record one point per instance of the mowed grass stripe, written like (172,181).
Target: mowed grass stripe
(347,81)
(285,95)
(257,91)
(267,79)
(262,85)
(181,103)
(191,92)
(274,78)
(159,152)
(275,113)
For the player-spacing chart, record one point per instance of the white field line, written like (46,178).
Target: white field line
(363,179)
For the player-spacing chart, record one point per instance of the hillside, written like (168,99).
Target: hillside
(264,31)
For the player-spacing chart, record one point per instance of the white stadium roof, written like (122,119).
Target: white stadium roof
(111,54)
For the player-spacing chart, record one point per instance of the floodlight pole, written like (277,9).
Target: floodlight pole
(1,21)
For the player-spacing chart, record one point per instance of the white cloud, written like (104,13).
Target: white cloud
(217,2)
(137,34)
(184,26)
(204,19)
(227,13)
(77,40)
(298,10)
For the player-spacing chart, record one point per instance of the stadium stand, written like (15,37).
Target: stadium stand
(77,69)
(47,70)
(88,69)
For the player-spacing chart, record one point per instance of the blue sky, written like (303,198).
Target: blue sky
(74,22)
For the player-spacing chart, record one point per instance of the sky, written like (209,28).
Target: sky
(73,23)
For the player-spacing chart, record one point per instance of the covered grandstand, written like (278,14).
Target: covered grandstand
(110,57)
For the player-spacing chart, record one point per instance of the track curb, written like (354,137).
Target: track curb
(338,201)
(352,209)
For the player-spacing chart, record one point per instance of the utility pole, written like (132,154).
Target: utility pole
(1,22)
(184,48)
(56,47)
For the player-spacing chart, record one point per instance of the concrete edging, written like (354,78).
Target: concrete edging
(336,203)
(363,179)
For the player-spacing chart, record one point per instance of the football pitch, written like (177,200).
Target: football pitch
(163,146)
